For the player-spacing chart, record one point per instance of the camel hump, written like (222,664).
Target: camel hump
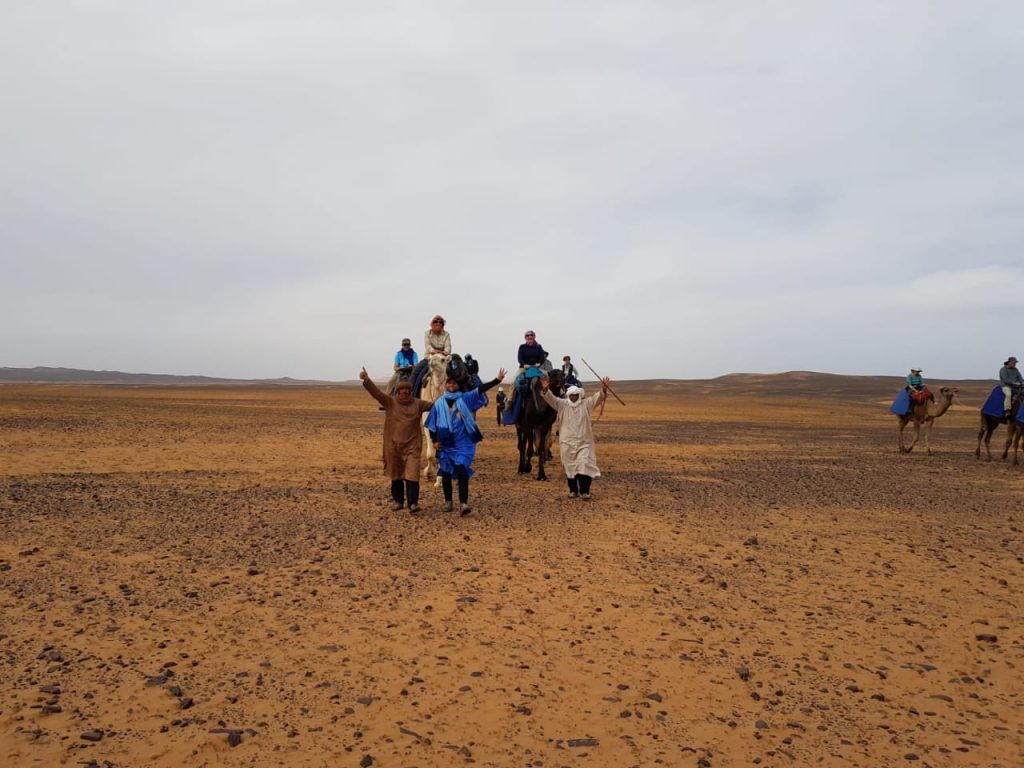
(994,404)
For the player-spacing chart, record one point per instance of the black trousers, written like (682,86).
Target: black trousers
(579,484)
(462,476)
(403,490)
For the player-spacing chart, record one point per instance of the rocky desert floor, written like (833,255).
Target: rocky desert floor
(213,577)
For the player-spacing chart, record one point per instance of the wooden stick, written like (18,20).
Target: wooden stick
(601,380)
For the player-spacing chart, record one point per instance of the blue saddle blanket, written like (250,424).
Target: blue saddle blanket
(994,405)
(510,415)
(901,405)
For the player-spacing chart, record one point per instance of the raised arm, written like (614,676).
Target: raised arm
(550,399)
(370,387)
(493,382)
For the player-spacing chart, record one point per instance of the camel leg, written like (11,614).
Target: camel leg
(524,461)
(928,436)
(917,436)
(900,426)
(1016,445)
(540,439)
(1011,431)
(988,439)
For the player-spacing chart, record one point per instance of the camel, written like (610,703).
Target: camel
(433,388)
(925,413)
(533,426)
(989,424)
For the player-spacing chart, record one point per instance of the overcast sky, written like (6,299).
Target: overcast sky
(669,189)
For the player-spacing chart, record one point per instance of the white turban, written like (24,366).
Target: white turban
(574,390)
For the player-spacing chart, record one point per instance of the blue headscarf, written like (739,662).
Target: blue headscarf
(440,419)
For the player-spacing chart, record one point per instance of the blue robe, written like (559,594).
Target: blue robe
(458,446)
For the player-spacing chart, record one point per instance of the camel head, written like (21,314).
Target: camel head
(950,393)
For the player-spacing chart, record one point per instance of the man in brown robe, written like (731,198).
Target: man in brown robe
(403,440)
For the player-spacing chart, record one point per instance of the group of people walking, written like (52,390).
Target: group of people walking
(453,429)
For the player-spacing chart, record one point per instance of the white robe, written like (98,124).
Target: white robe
(576,433)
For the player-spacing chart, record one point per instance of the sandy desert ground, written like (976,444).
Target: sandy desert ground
(212,577)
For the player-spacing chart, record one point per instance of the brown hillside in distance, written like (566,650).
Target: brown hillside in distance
(797,384)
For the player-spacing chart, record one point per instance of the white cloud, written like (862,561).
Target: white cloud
(682,189)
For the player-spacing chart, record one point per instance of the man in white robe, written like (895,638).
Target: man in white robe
(576,435)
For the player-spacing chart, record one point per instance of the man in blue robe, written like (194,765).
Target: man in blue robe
(454,432)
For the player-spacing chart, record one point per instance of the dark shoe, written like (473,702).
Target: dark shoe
(447,507)
(414,508)
(465,510)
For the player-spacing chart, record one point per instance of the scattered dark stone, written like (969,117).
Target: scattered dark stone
(703,763)
(466,599)
(366,762)
(156,680)
(253,572)
(744,673)
(654,697)
(365,700)
(51,689)
(234,738)
(582,742)
(186,703)
(50,709)
(625,713)
(761,725)
(986,638)
(174,690)
(751,542)
(911,756)
(943,697)
(92,736)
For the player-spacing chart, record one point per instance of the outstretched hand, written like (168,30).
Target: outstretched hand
(544,383)
(604,384)
(501,374)
(363,374)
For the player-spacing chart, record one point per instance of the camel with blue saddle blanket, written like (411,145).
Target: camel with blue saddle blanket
(992,415)
(920,412)
(534,419)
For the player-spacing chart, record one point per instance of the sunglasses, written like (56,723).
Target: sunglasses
(530,336)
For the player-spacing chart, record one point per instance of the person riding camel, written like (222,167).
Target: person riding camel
(403,440)
(405,360)
(531,355)
(1011,381)
(916,388)
(436,341)
(454,432)
(569,370)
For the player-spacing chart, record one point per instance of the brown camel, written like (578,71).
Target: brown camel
(989,424)
(925,413)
